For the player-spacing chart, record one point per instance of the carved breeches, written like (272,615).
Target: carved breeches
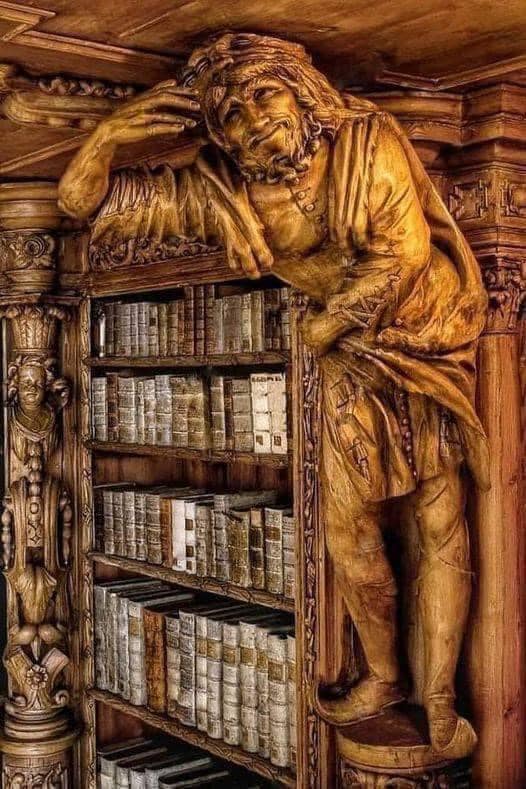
(356,463)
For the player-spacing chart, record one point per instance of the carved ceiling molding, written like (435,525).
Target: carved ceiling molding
(499,70)
(25,20)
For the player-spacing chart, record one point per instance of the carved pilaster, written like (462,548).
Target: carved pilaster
(37,512)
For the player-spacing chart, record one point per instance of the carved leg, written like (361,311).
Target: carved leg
(365,578)
(444,585)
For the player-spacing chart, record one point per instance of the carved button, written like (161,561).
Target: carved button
(301,195)
(309,208)
(398,322)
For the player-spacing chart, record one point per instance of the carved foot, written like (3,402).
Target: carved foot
(451,736)
(366,699)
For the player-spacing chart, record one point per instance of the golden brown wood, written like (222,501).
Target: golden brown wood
(173,727)
(193,582)
(214,360)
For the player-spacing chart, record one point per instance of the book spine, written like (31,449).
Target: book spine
(162,311)
(134,330)
(109,311)
(289,556)
(201,673)
(260,412)
(173,666)
(118,522)
(126,410)
(136,655)
(180,398)
(256,539)
(153,529)
(186,705)
(291,697)
(155,658)
(231,684)
(124,312)
(277,400)
(278,700)
(274,550)
(210,322)
(262,691)
(113,406)
(149,411)
(257,315)
(140,526)
(98,520)
(123,662)
(198,409)
(173,328)
(99,608)
(211,561)
(109,531)
(163,410)
(99,409)
(140,414)
(166,535)
(228,385)
(232,317)
(219,327)
(153,330)
(199,319)
(143,326)
(214,676)
(202,537)
(189,321)
(178,534)
(284,319)
(246,323)
(221,546)
(242,415)
(111,641)
(190,537)
(217,412)
(248,679)
(238,524)
(130,535)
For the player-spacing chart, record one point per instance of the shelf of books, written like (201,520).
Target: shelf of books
(190,541)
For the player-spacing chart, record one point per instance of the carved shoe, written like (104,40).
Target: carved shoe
(367,698)
(451,735)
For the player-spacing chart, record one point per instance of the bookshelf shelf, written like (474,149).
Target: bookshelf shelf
(214,360)
(233,754)
(206,455)
(211,585)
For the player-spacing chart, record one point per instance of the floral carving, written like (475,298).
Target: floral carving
(23,250)
(141,251)
(506,286)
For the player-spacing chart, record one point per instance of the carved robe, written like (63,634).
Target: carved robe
(407,274)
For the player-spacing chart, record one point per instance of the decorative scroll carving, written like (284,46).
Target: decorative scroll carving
(50,777)
(140,252)
(58,100)
(27,260)
(506,285)
(352,777)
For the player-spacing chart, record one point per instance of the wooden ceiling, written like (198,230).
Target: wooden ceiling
(142,41)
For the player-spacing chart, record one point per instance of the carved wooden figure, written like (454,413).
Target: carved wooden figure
(323,189)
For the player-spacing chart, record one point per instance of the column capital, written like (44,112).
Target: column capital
(29,217)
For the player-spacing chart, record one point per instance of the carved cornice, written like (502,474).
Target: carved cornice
(144,251)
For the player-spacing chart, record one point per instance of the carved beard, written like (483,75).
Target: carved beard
(280,166)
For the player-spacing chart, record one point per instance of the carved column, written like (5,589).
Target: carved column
(37,514)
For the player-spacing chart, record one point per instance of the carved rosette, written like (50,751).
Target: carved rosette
(37,514)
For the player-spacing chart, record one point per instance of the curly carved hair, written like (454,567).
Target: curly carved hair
(233,58)
(56,388)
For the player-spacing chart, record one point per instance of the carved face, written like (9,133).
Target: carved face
(263,127)
(31,386)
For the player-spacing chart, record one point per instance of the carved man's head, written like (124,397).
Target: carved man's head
(264,103)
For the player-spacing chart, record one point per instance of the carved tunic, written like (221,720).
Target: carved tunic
(400,384)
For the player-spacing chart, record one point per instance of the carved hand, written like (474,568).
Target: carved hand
(165,109)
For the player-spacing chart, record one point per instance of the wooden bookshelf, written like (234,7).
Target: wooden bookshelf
(211,585)
(291,474)
(206,455)
(216,747)
(209,360)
